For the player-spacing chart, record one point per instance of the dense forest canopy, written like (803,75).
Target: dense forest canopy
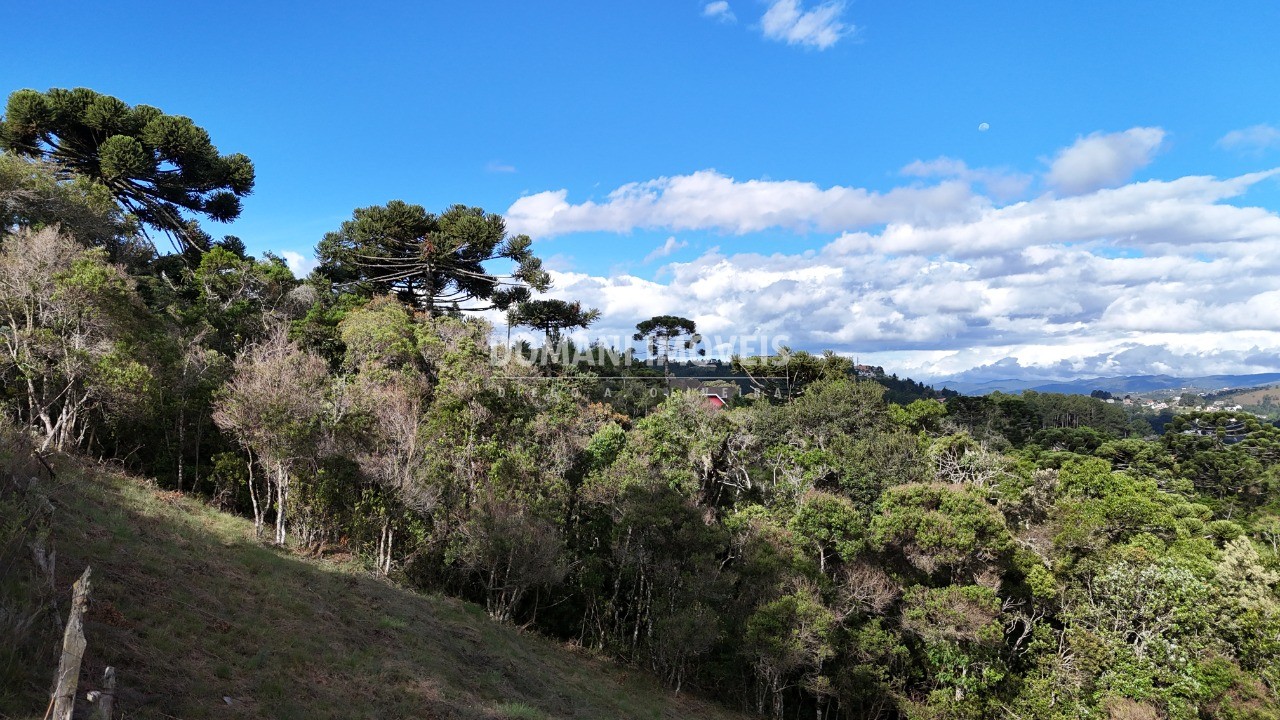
(816,548)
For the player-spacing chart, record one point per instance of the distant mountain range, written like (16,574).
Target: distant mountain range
(1115,385)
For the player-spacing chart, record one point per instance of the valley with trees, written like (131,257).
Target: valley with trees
(355,510)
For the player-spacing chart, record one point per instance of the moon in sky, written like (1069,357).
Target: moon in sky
(983,127)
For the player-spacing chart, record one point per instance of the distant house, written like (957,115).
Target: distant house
(718,394)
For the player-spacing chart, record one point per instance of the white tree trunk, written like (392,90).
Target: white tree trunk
(258,509)
(282,502)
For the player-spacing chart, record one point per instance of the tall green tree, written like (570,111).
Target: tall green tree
(664,332)
(552,317)
(431,261)
(157,167)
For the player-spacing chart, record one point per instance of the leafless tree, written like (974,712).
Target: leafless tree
(393,452)
(274,405)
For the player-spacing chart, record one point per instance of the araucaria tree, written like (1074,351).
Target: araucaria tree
(552,317)
(664,332)
(430,261)
(156,166)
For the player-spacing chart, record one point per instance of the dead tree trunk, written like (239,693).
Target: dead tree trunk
(73,645)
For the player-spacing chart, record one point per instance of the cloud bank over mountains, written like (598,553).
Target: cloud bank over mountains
(1078,271)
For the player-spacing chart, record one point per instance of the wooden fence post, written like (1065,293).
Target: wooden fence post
(106,698)
(73,645)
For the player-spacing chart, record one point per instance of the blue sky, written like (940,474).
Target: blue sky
(784,168)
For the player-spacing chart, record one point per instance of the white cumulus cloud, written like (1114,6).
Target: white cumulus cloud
(665,249)
(1103,159)
(300,265)
(1002,184)
(820,27)
(1182,215)
(1253,140)
(719,10)
(1151,277)
(960,267)
(708,199)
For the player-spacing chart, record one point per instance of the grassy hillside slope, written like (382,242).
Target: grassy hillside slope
(1263,401)
(201,621)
